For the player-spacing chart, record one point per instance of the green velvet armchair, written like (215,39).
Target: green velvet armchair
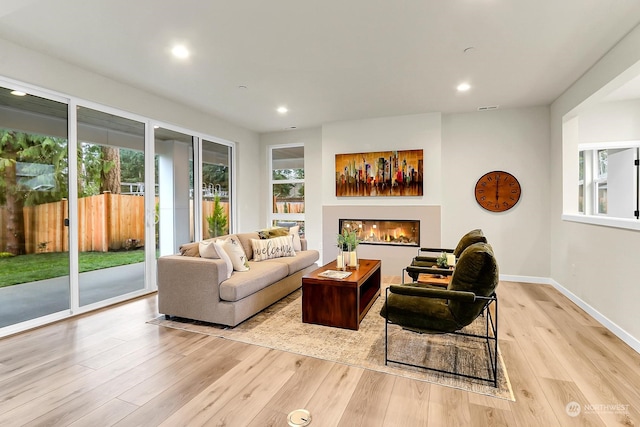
(431,310)
(425,261)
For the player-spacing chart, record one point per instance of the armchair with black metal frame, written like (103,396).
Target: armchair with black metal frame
(427,258)
(431,310)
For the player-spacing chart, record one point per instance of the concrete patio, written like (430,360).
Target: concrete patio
(28,301)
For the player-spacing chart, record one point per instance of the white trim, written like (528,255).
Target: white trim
(630,340)
(72,207)
(629,224)
(150,265)
(526,279)
(197,190)
(589,146)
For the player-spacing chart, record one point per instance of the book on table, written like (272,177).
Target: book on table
(335,274)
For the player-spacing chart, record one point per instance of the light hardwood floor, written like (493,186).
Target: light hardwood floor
(111,368)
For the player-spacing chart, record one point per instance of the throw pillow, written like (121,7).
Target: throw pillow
(294,231)
(208,250)
(219,246)
(189,249)
(270,233)
(272,248)
(238,258)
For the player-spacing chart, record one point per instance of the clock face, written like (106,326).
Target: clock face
(497,191)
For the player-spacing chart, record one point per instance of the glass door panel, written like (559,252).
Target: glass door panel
(174,159)
(216,160)
(34,245)
(110,205)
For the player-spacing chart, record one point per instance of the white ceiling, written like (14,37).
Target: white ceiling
(328,60)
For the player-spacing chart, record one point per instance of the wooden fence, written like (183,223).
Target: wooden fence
(105,222)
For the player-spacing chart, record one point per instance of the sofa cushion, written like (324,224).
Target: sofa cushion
(259,276)
(273,248)
(303,259)
(473,236)
(238,257)
(476,271)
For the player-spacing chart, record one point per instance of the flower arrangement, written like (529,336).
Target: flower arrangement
(348,240)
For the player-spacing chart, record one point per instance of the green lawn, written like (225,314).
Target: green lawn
(32,267)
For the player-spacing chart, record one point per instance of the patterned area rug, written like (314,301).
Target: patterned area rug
(280,327)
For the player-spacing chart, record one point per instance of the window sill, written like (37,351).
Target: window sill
(629,224)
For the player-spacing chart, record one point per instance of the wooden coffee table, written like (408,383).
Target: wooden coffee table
(341,303)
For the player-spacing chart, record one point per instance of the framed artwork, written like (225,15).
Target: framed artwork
(379,173)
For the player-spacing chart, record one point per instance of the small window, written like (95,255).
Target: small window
(287,186)
(608,181)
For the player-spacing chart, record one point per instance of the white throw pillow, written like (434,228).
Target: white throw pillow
(238,258)
(272,248)
(208,250)
(219,245)
(294,231)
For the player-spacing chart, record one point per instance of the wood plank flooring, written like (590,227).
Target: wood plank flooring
(110,368)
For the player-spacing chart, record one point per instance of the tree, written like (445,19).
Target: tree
(218,220)
(36,153)
(110,174)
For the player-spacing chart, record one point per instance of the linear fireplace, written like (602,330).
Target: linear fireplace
(398,232)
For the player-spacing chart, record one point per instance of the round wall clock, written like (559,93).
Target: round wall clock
(497,191)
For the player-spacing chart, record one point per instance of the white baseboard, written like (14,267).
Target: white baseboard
(526,279)
(629,339)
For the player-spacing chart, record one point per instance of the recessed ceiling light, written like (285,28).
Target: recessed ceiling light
(180,51)
(17,93)
(282,110)
(463,87)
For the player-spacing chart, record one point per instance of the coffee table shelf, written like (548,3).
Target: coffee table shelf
(341,303)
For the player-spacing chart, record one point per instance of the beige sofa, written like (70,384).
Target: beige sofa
(197,288)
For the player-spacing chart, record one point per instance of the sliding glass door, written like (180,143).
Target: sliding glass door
(111,191)
(34,243)
(89,197)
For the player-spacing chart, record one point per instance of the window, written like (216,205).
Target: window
(608,180)
(287,186)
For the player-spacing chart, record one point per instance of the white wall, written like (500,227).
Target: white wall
(610,121)
(412,132)
(515,141)
(52,74)
(579,263)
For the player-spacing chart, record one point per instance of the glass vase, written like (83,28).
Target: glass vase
(352,258)
(340,260)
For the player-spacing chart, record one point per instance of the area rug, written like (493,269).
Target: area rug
(280,327)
